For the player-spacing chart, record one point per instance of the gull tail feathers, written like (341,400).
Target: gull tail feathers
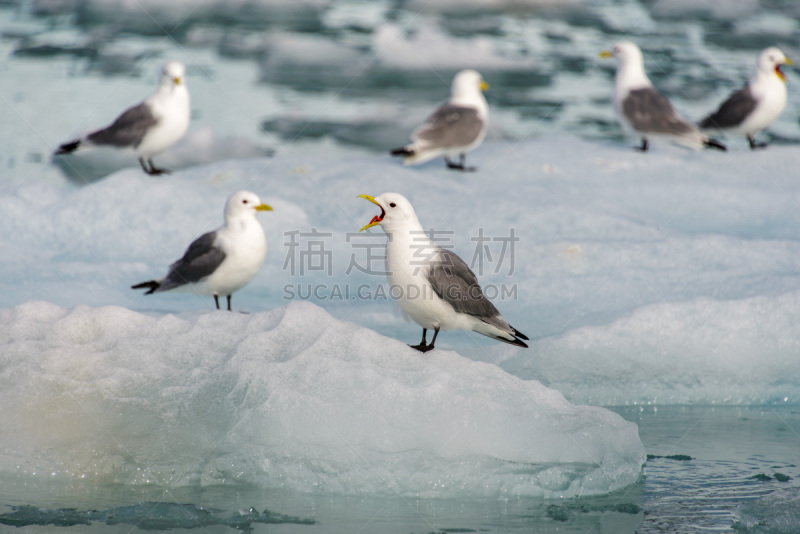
(512,337)
(515,341)
(713,143)
(519,334)
(708,124)
(68,148)
(402,151)
(151,285)
(414,154)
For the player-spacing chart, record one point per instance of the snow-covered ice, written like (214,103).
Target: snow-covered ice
(668,278)
(290,398)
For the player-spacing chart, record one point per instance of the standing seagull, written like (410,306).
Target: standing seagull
(434,286)
(223,261)
(641,108)
(753,107)
(150,127)
(458,126)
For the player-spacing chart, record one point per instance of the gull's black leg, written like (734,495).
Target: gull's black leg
(464,164)
(229,303)
(754,145)
(145,168)
(644,146)
(435,333)
(216,300)
(155,171)
(423,346)
(461,165)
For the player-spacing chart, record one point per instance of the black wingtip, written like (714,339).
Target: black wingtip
(519,334)
(68,148)
(713,143)
(402,151)
(515,342)
(152,285)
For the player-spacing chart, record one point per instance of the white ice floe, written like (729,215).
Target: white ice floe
(676,272)
(292,398)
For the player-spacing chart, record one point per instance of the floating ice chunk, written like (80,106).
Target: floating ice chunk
(291,398)
(494,5)
(153,16)
(702,351)
(429,48)
(729,11)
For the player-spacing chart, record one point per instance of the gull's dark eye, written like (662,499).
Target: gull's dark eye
(244,201)
(392,205)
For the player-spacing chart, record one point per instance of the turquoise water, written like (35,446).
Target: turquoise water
(704,463)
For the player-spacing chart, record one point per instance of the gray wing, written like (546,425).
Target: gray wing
(128,130)
(649,111)
(733,111)
(450,126)
(456,284)
(200,260)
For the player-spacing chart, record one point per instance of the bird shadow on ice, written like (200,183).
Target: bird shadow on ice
(200,146)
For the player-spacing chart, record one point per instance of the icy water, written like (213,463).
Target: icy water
(708,247)
(709,469)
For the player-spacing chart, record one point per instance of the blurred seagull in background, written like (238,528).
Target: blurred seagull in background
(150,127)
(223,261)
(753,107)
(432,285)
(454,129)
(641,108)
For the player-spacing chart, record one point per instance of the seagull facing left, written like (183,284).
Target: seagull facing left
(223,261)
(148,128)
(432,285)
(642,109)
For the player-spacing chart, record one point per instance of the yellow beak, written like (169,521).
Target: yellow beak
(484,86)
(263,207)
(606,54)
(788,61)
(378,218)
(177,80)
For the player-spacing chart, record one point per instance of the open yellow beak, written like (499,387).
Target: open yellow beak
(263,207)
(378,218)
(484,86)
(606,54)
(778,70)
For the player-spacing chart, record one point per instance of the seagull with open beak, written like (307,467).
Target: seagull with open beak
(433,285)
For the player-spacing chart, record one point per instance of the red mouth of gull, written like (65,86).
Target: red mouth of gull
(780,73)
(379,218)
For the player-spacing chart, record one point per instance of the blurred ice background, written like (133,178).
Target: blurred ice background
(344,77)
